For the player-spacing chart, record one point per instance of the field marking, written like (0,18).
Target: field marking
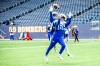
(24,47)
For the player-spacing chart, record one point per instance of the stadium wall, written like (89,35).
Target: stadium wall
(39,32)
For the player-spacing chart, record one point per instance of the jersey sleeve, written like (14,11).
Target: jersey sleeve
(68,22)
(51,17)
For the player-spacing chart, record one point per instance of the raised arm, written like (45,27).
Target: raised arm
(68,20)
(51,15)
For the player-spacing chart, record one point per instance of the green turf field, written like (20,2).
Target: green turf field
(31,53)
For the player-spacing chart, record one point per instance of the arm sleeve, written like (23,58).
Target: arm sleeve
(68,22)
(58,21)
(51,17)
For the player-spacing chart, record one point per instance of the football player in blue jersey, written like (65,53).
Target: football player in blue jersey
(58,35)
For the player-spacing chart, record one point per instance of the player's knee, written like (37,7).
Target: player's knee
(63,45)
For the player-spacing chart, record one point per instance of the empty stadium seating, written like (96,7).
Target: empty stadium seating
(66,6)
(6,5)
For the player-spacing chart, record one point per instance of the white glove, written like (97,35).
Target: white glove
(51,8)
(70,15)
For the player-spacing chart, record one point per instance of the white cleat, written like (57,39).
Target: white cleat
(60,57)
(46,59)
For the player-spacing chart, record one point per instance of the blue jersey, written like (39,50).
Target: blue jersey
(68,22)
(60,26)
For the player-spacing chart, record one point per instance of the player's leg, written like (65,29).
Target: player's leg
(67,50)
(62,43)
(12,37)
(49,36)
(77,38)
(66,37)
(52,44)
(55,48)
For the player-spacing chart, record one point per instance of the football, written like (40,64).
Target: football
(56,6)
